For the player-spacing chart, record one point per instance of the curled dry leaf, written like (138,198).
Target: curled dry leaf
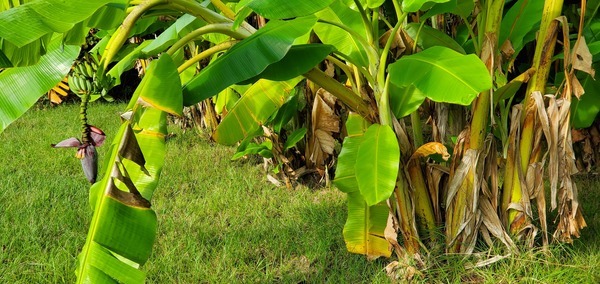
(430,149)
(324,122)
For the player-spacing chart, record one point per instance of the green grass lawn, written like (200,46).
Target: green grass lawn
(220,221)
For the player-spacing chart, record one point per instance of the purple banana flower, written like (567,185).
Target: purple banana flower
(86,151)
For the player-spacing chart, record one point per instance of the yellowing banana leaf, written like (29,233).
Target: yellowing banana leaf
(255,106)
(21,87)
(347,44)
(247,58)
(287,9)
(377,164)
(365,226)
(123,226)
(442,74)
(26,23)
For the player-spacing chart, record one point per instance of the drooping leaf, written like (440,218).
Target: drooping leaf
(27,23)
(161,79)
(123,226)
(21,87)
(427,37)
(255,106)
(344,42)
(286,9)
(443,75)
(410,6)
(365,226)
(297,61)
(377,163)
(247,58)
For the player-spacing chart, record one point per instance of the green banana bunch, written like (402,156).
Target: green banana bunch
(83,78)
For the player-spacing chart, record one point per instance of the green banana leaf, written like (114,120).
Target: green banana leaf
(21,87)
(168,37)
(365,225)
(294,138)
(410,6)
(123,227)
(345,173)
(297,61)
(372,4)
(427,37)
(28,54)
(377,164)
(287,9)
(344,42)
(128,61)
(29,22)
(442,74)
(247,58)
(586,108)
(521,23)
(364,231)
(255,106)
(405,100)
(458,7)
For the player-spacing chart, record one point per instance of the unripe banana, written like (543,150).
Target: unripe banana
(88,70)
(79,69)
(80,81)
(72,84)
(88,86)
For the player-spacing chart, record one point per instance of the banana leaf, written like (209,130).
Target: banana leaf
(287,9)
(377,164)
(21,87)
(247,58)
(345,43)
(123,225)
(26,23)
(365,225)
(442,74)
(255,106)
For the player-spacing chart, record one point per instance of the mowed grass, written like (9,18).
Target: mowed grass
(221,221)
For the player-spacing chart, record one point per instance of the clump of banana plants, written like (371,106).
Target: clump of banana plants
(442,117)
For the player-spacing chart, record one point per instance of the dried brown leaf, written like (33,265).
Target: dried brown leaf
(582,58)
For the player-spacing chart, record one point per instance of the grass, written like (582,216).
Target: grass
(220,221)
